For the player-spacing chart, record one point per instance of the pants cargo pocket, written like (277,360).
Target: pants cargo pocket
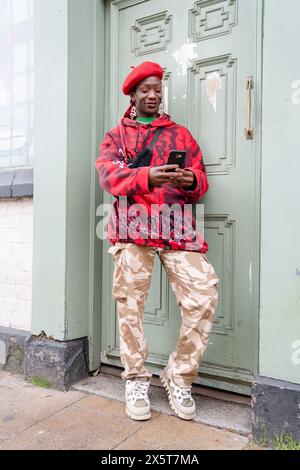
(119,288)
(213,279)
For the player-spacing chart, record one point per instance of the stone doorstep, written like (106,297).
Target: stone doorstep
(197,389)
(234,417)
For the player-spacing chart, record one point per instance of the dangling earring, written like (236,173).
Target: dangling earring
(161,110)
(133,112)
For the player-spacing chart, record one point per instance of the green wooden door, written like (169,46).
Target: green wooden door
(207,48)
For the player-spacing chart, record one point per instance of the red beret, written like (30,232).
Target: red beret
(144,70)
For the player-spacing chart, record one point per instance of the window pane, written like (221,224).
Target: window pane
(19,151)
(31,123)
(20,10)
(31,86)
(31,150)
(4,161)
(20,120)
(30,8)
(20,57)
(31,55)
(20,89)
(5,96)
(22,150)
(5,123)
(16,82)
(5,152)
(4,146)
(5,17)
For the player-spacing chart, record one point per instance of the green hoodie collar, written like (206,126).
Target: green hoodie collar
(145,120)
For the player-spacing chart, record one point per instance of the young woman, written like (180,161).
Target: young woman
(140,227)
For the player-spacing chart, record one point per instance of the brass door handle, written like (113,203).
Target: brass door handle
(249,130)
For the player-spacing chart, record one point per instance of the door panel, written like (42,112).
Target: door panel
(207,49)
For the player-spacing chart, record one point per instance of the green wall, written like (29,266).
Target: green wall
(67,130)
(280,221)
(50,172)
(79,168)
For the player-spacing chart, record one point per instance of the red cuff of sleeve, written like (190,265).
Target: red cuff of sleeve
(196,189)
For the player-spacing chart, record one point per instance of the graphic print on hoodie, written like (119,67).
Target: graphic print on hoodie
(152,228)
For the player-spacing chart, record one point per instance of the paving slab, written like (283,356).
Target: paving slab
(22,404)
(171,433)
(91,423)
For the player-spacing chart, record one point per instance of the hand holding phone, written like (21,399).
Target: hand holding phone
(158,174)
(176,157)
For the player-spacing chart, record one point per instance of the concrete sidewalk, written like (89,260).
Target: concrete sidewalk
(39,418)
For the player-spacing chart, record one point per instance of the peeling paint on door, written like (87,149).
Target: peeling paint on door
(184,57)
(213,85)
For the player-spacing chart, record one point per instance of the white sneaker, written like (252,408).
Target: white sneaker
(180,398)
(137,401)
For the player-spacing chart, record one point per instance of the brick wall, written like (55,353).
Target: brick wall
(16,223)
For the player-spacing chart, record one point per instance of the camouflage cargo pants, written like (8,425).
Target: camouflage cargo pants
(195,284)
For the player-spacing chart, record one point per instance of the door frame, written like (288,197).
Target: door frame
(101,97)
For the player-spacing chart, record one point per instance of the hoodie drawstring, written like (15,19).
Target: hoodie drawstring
(144,141)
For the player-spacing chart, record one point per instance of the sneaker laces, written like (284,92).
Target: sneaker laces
(183,394)
(186,392)
(139,389)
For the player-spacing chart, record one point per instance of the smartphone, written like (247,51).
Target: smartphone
(176,157)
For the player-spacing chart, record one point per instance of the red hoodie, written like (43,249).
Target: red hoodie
(119,180)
